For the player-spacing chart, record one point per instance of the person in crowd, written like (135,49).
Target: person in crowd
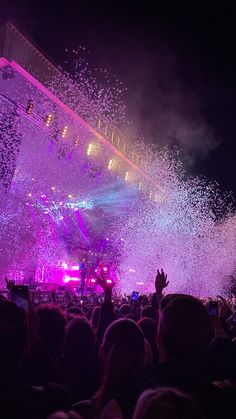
(95,317)
(184,333)
(167,403)
(52,324)
(149,329)
(124,356)
(17,398)
(80,362)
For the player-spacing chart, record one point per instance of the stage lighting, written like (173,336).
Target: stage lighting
(48,120)
(127,176)
(75,268)
(64,131)
(53,188)
(68,278)
(64,265)
(70,195)
(30,195)
(76,141)
(29,107)
(93,280)
(105,269)
(89,150)
(109,281)
(110,164)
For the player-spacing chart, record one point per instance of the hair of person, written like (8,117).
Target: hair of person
(123,352)
(13,334)
(184,326)
(79,342)
(52,325)
(166,403)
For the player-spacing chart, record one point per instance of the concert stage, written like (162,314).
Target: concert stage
(64,182)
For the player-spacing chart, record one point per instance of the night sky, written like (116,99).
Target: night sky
(177,62)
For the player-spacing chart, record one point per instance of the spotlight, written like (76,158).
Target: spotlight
(64,131)
(110,164)
(64,265)
(68,278)
(127,176)
(76,141)
(70,195)
(93,280)
(48,119)
(109,281)
(89,150)
(29,107)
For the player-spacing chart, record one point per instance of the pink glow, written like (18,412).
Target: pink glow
(75,268)
(109,281)
(68,278)
(64,265)
(4,62)
(105,269)
(93,280)
(139,283)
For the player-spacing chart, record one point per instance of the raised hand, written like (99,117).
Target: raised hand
(9,283)
(106,285)
(161,281)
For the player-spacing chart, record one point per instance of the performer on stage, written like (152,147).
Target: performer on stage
(83,274)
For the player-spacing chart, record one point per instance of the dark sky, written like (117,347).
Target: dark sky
(177,62)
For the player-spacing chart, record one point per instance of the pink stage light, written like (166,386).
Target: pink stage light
(75,268)
(93,280)
(68,278)
(105,269)
(139,283)
(109,281)
(64,265)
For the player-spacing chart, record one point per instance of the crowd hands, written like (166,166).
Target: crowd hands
(164,356)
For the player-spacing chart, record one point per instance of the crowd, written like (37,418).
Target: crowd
(165,356)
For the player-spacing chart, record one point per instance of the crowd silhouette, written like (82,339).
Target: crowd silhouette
(164,356)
